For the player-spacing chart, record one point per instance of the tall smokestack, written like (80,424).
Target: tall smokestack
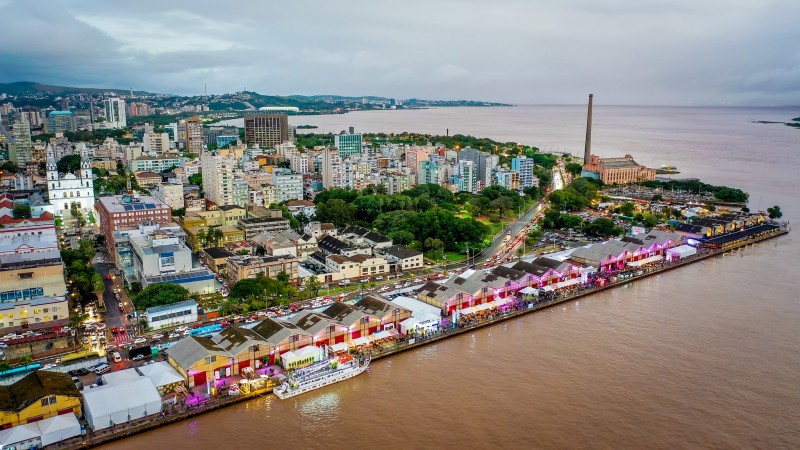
(588,149)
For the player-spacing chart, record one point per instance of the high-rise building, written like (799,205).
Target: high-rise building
(218,178)
(193,127)
(289,186)
(61,121)
(330,162)
(484,164)
(155,143)
(349,144)
(115,112)
(266,130)
(240,192)
(428,172)
(467,178)
(524,166)
(299,163)
(20,151)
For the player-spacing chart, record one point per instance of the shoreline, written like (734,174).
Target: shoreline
(106,436)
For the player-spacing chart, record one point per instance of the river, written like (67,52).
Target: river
(704,356)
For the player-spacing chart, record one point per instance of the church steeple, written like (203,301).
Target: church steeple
(52,170)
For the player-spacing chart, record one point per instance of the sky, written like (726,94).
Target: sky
(627,52)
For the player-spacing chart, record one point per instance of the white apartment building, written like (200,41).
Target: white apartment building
(115,113)
(156,143)
(299,163)
(218,177)
(169,193)
(288,186)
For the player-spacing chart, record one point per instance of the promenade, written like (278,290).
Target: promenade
(518,308)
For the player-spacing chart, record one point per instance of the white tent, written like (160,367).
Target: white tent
(680,252)
(408,324)
(161,374)
(111,404)
(642,262)
(419,310)
(121,377)
(528,290)
(568,283)
(379,335)
(21,436)
(340,347)
(361,341)
(58,428)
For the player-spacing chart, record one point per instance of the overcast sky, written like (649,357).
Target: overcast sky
(677,52)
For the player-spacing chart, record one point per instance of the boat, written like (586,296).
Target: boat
(667,169)
(324,373)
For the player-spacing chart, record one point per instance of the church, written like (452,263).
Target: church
(68,188)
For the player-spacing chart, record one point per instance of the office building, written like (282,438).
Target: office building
(115,113)
(170,194)
(193,138)
(266,130)
(120,211)
(348,144)
(244,267)
(61,121)
(19,152)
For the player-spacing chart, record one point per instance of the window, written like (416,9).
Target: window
(211,359)
(26,275)
(52,399)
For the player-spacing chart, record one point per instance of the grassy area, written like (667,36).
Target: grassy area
(451,256)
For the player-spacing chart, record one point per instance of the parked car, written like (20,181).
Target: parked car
(138,357)
(139,341)
(158,336)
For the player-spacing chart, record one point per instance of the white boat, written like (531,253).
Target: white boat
(321,374)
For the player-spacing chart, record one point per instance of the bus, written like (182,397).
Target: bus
(20,370)
(77,356)
(206,330)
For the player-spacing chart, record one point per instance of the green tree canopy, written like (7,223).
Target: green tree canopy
(573,168)
(22,212)
(160,294)
(69,163)
(775,212)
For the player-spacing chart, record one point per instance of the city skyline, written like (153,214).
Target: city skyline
(681,53)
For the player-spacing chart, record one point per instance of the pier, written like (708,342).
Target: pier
(104,436)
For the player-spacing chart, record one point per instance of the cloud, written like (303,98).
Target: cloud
(518,51)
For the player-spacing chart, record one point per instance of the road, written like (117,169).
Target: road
(516,228)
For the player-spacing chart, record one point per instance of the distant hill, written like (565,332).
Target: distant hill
(23,88)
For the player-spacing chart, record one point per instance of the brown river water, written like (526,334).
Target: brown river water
(700,357)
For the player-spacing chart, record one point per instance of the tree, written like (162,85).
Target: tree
(657,198)
(602,227)
(313,285)
(573,168)
(158,294)
(774,212)
(201,237)
(179,212)
(196,179)
(9,166)
(22,212)
(627,209)
(244,289)
(69,163)
(283,278)
(503,204)
(337,212)
(649,220)
(98,285)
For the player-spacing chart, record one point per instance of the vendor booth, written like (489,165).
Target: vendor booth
(301,357)
(642,262)
(680,252)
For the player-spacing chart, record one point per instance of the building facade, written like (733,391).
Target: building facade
(19,152)
(194,135)
(266,130)
(64,190)
(119,211)
(244,267)
(618,170)
(348,144)
(115,112)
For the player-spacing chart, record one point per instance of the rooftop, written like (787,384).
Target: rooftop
(123,203)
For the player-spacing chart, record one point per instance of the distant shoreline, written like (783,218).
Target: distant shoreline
(794,123)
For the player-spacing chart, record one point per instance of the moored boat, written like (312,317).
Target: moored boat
(330,371)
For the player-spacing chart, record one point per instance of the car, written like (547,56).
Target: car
(110,347)
(138,357)
(83,371)
(174,335)
(85,340)
(48,346)
(73,373)
(139,341)
(48,366)
(225,323)
(158,336)
(379,277)
(181,328)
(365,280)
(249,320)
